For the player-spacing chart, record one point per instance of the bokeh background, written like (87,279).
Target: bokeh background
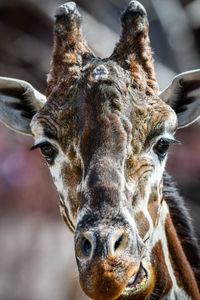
(36,248)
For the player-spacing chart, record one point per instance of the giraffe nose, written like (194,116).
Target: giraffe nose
(85,245)
(117,242)
(88,244)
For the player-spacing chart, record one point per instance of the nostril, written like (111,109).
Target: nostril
(118,243)
(84,246)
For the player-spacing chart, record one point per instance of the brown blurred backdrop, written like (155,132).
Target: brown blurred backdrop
(36,248)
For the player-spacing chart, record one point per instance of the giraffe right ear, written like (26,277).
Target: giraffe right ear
(183,95)
(19,102)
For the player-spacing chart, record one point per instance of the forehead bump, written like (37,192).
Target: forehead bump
(99,73)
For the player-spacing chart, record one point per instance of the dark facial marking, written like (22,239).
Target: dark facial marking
(142,224)
(65,215)
(71,175)
(153,205)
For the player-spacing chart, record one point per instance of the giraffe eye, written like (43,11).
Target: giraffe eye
(48,150)
(161,148)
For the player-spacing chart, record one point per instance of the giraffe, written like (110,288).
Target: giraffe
(104,130)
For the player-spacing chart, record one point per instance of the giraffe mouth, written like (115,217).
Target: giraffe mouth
(139,282)
(138,279)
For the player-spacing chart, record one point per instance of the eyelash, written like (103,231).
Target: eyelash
(48,150)
(162,146)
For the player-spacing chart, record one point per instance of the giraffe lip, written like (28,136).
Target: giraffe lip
(137,281)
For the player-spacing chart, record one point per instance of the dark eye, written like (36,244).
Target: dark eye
(48,150)
(161,148)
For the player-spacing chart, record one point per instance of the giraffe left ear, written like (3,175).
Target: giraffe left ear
(19,101)
(183,95)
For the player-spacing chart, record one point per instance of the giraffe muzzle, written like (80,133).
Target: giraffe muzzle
(110,264)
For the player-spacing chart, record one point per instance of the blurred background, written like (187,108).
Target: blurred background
(36,248)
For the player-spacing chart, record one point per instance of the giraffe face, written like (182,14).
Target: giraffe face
(106,145)
(104,133)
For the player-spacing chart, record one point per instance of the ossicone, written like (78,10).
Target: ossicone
(70,48)
(133,51)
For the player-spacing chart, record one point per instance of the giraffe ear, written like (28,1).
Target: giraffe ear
(183,95)
(19,101)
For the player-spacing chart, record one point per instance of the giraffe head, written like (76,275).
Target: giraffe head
(104,131)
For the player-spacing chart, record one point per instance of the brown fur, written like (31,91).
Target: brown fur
(105,279)
(182,270)
(163,279)
(183,225)
(134,53)
(72,177)
(69,48)
(153,206)
(142,224)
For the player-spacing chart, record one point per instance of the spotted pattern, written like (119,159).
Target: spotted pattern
(163,282)
(153,206)
(179,262)
(142,224)
(104,117)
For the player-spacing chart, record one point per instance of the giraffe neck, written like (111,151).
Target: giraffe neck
(183,225)
(175,279)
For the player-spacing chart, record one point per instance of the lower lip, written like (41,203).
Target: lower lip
(137,282)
